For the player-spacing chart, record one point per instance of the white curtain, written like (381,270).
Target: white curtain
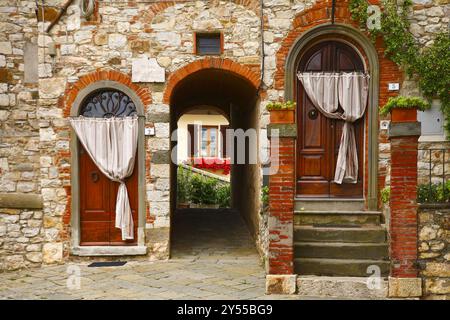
(111,143)
(328,90)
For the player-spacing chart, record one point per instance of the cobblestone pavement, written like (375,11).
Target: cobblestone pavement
(213,257)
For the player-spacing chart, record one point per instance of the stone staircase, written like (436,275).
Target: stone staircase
(338,238)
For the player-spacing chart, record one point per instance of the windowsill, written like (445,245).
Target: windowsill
(90,251)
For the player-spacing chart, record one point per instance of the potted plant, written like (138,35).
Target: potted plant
(282,112)
(404,109)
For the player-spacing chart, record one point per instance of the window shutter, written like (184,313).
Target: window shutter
(193,132)
(223,135)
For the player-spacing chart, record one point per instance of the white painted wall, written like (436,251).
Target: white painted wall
(200,119)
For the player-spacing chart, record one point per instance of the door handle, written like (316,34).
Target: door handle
(94,176)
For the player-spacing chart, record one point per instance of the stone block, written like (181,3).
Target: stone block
(117,41)
(146,69)
(281,284)
(405,287)
(52,252)
(51,88)
(5,47)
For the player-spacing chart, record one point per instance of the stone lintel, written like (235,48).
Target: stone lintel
(405,287)
(281,283)
(20,201)
(404,129)
(288,130)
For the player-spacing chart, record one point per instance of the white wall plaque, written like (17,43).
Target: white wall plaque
(394,86)
(146,69)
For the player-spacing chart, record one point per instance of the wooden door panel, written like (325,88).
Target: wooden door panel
(98,204)
(319,137)
(94,233)
(94,206)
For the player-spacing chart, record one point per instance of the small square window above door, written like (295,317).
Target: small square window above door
(208,43)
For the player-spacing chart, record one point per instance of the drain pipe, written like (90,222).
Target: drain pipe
(60,14)
(263,55)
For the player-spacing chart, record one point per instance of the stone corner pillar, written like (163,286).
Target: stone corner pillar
(403,279)
(281,278)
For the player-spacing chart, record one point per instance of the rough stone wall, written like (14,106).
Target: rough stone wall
(21,232)
(34,146)
(434,251)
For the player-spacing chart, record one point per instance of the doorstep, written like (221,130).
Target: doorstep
(86,251)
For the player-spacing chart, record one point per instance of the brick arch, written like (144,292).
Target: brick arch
(149,13)
(73,89)
(320,14)
(240,70)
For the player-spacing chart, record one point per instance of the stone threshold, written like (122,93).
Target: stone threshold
(95,251)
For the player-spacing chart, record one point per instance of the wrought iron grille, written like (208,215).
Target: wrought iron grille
(433,180)
(108,103)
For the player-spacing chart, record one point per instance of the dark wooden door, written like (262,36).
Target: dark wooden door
(98,204)
(319,137)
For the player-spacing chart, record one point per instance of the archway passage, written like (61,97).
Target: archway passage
(319,137)
(235,98)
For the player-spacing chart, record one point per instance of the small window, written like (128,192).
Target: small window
(208,43)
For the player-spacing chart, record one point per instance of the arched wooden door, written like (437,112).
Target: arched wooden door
(319,137)
(97,192)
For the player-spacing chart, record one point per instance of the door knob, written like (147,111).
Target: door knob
(94,176)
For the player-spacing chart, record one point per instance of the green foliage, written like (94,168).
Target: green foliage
(275,105)
(203,189)
(433,193)
(183,185)
(224,195)
(405,103)
(429,66)
(199,189)
(265,196)
(385,194)
(358,10)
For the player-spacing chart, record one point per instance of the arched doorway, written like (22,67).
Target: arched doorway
(235,97)
(92,194)
(98,193)
(318,136)
(366,48)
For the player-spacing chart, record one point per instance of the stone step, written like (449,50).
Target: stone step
(342,287)
(328,204)
(337,218)
(339,267)
(330,234)
(341,250)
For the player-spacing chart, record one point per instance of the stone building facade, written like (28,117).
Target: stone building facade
(45,74)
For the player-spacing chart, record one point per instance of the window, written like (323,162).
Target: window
(211,141)
(208,43)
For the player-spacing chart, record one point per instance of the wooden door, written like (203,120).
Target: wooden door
(98,204)
(319,137)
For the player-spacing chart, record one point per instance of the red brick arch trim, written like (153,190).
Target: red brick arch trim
(149,13)
(240,70)
(319,13)
(73,89)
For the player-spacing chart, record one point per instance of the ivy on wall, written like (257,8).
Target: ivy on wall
(429,65)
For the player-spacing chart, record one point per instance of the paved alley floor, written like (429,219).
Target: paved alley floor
(213,257)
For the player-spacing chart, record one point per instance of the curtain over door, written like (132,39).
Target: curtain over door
(319,137)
